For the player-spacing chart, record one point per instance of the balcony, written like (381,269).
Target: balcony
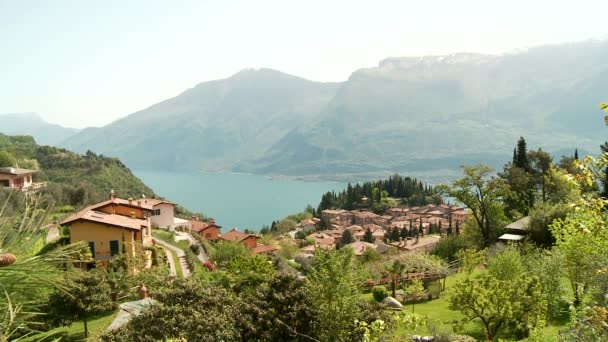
(34,186)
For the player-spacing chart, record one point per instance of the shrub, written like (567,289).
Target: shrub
(379,292)
(195,248)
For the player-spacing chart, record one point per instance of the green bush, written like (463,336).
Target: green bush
(379,292)
(195,248)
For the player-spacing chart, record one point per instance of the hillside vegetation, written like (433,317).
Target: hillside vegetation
(73,179)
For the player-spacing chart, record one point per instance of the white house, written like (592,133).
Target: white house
(163,213)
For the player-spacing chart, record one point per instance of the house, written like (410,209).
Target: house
(21,179)
(234,235)
(307,225)
(359,247)
(109,234)
(339,217)
(207,230)
(323,239)
(163,213)
(364,217)
(419,244)
(124,207)
(263,250)
(517,230)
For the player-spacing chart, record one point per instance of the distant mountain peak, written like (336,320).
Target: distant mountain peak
(428,61)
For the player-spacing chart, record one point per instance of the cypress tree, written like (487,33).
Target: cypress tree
(521,158)
(404,233)
(576,154)
(395,234)
(368,237)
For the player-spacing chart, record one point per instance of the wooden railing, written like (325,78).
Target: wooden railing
(34,186)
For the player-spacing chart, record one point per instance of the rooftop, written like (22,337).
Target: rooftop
(15,171)
(109,219)
(235,235)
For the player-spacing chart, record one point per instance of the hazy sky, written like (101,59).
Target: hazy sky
(81,63)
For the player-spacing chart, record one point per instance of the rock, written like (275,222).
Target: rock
(392,303)
(428,339)
(416,338)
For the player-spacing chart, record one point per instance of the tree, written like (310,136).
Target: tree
(481,192)
(519,196)
(604,177)
(498,304)
(88,294)
(249,272)
(285,225)
(347,238)
(224,251)
(333,293)
(395,271)
(521,155)
(283,311)
(540,162)
(368,236)
(414,291)
(7,159)
(187,309)
(28,271)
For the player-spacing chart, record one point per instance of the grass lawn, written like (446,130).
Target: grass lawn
(168,238)
(75,332)
(441,318)
(178,266)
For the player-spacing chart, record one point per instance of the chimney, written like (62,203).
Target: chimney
(194,218)
(139,203)
(130,200)
(112,195)
(132,214)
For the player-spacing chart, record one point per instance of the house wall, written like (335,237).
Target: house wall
(122,210)
(12,179)
(102,235)
(250,242)
(210,233)
(165,219)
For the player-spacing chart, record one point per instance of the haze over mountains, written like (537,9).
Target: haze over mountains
(407,114)
(32,124)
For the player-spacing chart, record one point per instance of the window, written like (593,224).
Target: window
(92,248)
(114,248)
(155,212)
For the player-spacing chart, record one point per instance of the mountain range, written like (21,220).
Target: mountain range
(408,114)
(32,124)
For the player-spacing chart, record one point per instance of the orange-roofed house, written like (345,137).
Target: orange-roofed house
(207,230)
(248,240)
(263,250)
(109,234)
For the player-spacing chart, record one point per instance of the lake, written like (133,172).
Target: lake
(237,200)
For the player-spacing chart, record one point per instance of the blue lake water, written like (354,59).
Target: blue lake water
(237,200)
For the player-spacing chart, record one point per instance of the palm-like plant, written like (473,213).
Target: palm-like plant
(29,270)
(395,270)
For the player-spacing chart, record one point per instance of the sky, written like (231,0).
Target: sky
(87,63)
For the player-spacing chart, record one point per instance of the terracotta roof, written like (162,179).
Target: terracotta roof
(365,214)
(15,171)
(308,222)
(156,201)
(199,226)
(235,235)
(521,224)
(136,203)
(361,246)
(109,219)
(424,242)
(372,227)
(259,249)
